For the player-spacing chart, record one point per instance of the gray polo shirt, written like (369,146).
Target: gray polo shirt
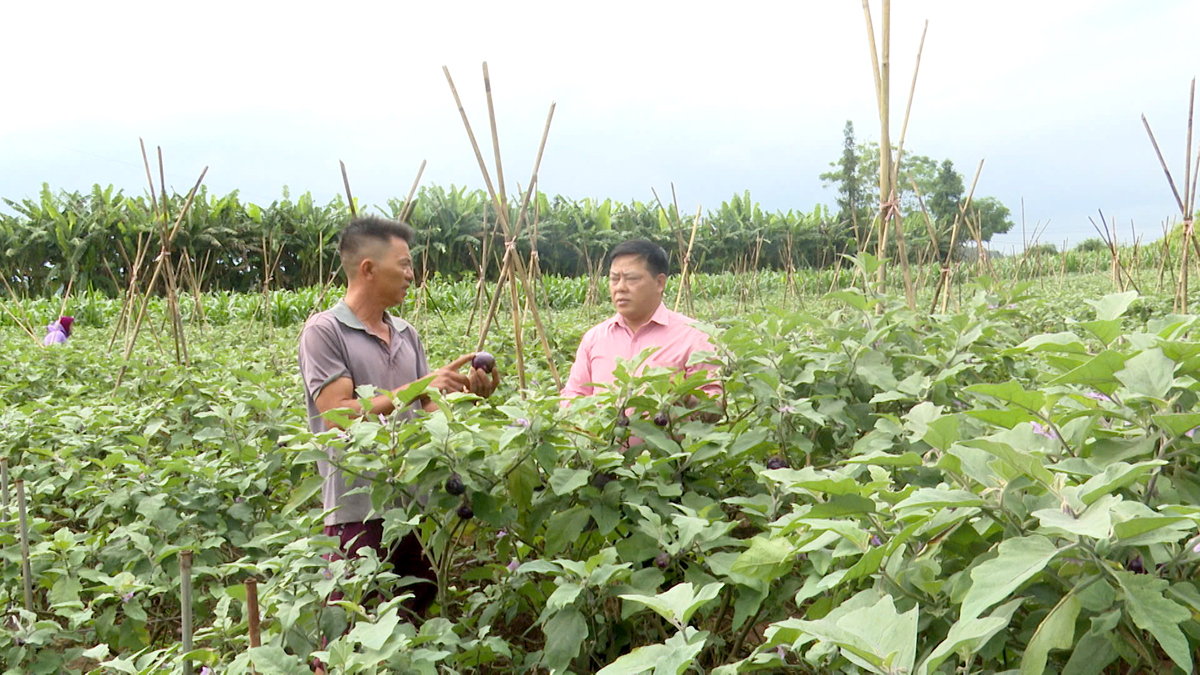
(336,344)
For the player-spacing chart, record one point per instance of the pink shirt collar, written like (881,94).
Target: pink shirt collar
(661,316)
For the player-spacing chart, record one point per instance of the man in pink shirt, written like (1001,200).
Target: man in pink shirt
(636,278)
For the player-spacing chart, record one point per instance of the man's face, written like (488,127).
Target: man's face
(636,293)
(392,271)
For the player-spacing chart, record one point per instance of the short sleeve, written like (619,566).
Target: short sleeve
(322,358)
(581,371)
(422,365)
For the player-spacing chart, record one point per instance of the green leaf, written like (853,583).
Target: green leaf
(1177,424)
(1106,330)
(1057,631)
(969,635)
(1159,616)
(672,658)
(1112,306)
(1012,394)
(766,559)
(926,498)
(565,481)
(302,493)
(679,603)
(1025,462)
(1018,560)
(1053,342)
(1149,374)
(1116,476)
(564,528)
(1094,522)
(1095,372)
(565,634)
(374,635)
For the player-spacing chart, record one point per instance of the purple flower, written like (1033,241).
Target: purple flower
(1098,396)
(206,671)
(328,573)
(512,566)
(788,409)
(382,420)
(1190,433)
(1196,548)
(501,534)
(876,541)
(522,422)
(780,651)
(1041,429)
(127,597)
(238,500)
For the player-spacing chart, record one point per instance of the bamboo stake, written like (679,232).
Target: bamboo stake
(687,259)
(157,271)
(4,488)
(487,89)
(409,205)
(511,234)
(252,612)
(25,325)
(26,573)
(346,182)
(185,602)
(946,267)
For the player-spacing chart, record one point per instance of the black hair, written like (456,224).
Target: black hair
(362,231)
(653,254)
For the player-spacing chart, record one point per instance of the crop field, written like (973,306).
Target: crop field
(1008,485)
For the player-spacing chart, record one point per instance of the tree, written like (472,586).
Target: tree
(993,217)
(945,197)
(849,187)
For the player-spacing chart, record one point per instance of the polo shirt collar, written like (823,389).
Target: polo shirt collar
(661,316)
(342,312)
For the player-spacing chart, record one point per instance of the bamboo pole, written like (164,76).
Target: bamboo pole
(154,277)
(346,182)
(26,572)
(252,612)
(185,603)
(511,233)
(409,204)
(946,266)
(687,259)
(4,488)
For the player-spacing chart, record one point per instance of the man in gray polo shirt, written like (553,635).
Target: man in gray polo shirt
(358,343)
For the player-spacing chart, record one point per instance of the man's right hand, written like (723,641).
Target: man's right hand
(447,379)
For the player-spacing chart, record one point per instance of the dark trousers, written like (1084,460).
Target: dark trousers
(405,556)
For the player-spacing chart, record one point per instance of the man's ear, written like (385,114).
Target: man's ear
(366,267)
(661,280)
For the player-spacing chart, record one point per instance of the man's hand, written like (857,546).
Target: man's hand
(477,381)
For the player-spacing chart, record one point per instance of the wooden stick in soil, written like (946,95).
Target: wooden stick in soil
(23,520)
(882,65)
(185,604)
(25,325)
(687,260)
(4,488)
(912,90)
(946,267)
(409,204)
(153,278)
(252,612)
(487,89)
(346,182)
(502,215)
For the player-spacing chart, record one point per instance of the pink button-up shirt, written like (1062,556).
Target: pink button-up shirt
(604,343)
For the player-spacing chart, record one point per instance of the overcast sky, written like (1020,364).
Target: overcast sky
(718,98)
